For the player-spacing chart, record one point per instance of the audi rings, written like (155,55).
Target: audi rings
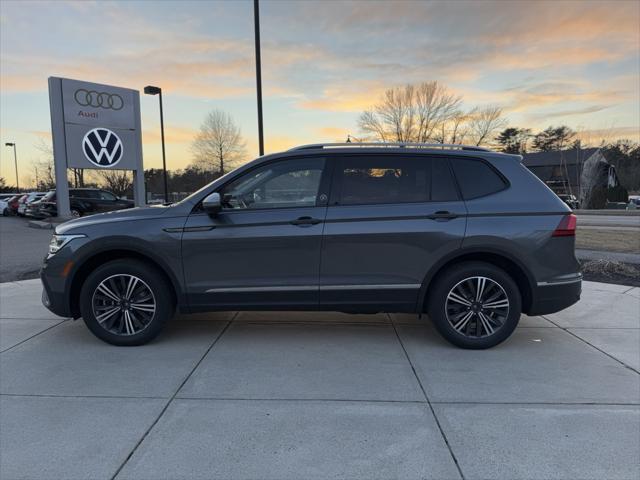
(91,98)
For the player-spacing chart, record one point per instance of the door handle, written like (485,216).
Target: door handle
(442,215)
(302,221)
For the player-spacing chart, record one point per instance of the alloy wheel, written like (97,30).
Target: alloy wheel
(123,304)
(477,307)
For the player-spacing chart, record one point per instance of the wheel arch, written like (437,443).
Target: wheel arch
(93,261)
(501,259)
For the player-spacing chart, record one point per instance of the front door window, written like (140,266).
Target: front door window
(284,184)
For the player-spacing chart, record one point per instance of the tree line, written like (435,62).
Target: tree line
(424,113)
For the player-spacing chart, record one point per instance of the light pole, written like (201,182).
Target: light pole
(15,161)
(151,90)
(256,19)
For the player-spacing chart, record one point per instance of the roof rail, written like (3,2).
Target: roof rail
(452,146)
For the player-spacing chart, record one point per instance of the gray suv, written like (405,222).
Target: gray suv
(467,235)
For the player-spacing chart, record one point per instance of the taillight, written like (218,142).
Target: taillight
(566,227)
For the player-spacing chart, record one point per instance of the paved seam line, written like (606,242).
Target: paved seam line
(53,395)
(626,291)
(164,409)
(591,345)
(322,400)
(35,335)
(411,402)
(424,392)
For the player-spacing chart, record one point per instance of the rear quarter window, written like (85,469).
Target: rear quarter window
(476,178)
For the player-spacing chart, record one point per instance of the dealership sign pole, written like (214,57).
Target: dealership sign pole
(97,127)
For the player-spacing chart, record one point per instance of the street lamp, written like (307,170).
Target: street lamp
(15,161)
(151,90)
(256,31)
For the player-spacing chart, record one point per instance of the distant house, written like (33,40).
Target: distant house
(577,171)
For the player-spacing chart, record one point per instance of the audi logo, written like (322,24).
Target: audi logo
(102,147)
(91,98)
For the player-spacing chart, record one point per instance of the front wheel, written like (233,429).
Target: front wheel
(475,305)
(126,302)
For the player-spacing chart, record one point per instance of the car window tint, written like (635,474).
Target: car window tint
(443,187)
(283,184)
(476,178)
(383,179)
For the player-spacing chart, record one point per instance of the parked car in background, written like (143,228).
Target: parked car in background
(634,202)
(83,201)
(570,200)
(33,208)
(27,199)
(12,205)
(467,235)
(4,202)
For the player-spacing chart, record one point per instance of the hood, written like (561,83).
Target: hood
(129,214)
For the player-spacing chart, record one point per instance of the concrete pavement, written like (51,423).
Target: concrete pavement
(321,395)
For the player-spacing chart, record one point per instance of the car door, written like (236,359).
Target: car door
(106,201)
(263,249)
(390,218)
(83,200)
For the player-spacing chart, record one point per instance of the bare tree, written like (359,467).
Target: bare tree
(43,170)
(411,113)
(484,122)
(116,181)
(219,144)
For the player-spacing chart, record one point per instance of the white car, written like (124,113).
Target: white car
(4,203)
(28,198)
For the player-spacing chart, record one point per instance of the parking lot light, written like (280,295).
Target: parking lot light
(151,90)
(15,161)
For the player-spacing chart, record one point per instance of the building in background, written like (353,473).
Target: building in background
(585,173)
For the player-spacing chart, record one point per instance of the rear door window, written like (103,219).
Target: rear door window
(443,186)
(476,178)
(383,179)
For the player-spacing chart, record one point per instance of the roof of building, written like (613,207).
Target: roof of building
(568,157)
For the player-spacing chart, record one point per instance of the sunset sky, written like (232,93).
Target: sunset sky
(546,63)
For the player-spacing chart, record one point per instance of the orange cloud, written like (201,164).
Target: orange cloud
(172,134)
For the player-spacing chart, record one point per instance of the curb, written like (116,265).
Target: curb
(41,224)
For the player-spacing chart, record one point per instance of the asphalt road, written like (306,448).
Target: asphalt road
(630,221)
(21,249)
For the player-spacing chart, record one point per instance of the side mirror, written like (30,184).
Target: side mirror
(212,204)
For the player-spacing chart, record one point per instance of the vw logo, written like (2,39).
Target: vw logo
(102,147)
(91,98)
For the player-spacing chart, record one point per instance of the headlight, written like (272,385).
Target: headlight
(59,241)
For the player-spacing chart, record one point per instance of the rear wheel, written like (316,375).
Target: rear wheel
(475,305)
(126,302)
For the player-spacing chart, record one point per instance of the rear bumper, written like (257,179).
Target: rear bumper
(551,297)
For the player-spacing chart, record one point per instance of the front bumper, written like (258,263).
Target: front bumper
(551,297)
(52,298)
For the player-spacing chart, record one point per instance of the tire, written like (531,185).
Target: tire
(75,213)
(480,324)
(105,294)
(5,212)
